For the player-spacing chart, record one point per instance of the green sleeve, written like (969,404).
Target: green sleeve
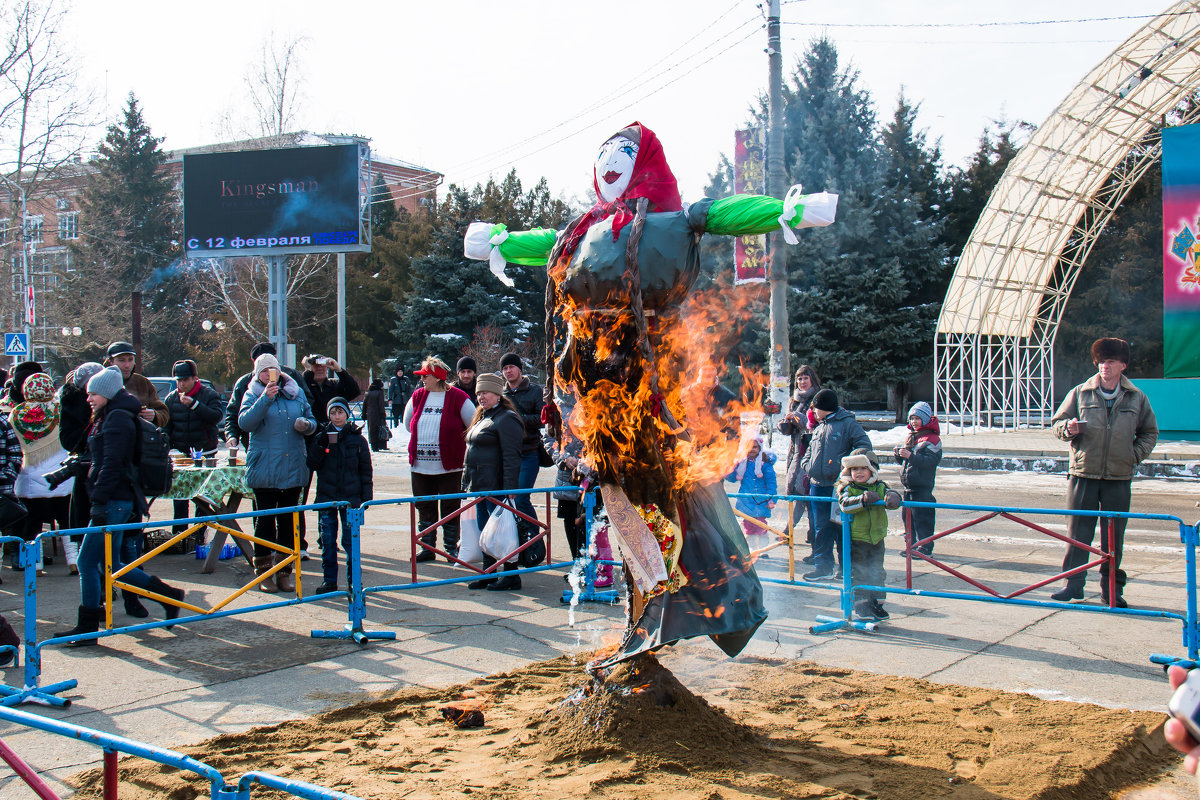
(529,248)
(744,215)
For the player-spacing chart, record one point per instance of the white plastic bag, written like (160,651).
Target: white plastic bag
(499,536)
(468,538)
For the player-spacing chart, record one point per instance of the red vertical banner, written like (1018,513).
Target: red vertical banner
(749,177)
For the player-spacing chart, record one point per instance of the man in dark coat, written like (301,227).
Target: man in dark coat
(326,380)
(527,397)
(195,419)
(399,389)
(467,369)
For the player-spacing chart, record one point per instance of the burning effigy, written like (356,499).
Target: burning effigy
(627,344)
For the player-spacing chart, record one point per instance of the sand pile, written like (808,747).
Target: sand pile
(751,728)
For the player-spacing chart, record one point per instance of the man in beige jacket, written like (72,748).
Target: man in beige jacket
(122,355)
(1112,429)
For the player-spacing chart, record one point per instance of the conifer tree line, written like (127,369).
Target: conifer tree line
(864,293)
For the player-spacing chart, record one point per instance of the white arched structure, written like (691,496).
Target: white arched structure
(994,351)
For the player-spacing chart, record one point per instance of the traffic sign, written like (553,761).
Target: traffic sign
(16,344)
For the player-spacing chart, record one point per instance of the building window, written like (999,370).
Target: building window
(62,204)
(33,229)
(68,226)
(7,234)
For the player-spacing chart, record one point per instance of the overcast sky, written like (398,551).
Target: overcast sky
(474,88)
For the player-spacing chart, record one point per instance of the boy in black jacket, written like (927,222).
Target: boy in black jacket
(341,457)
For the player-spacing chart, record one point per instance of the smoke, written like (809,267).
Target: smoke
(172,270)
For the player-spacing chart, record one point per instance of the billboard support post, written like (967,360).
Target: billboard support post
(277,280)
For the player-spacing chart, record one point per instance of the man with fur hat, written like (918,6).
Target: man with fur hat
(1111,429)
(862,495)
(123,356)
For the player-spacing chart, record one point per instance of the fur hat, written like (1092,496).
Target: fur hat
(1104,349)
(512,359)
(859,460)
(869,453)
(466,362)
(265,361)
(338,402)
(106,383)
(825,400)
(489,382)
(922,411)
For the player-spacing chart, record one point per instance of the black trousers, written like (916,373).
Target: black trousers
(428,511)
(1096,494)
(922,519)
(570,511)
(275,528)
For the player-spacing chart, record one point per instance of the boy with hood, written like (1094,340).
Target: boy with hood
(341,459)
(755,475)
(862,495)
(918,458)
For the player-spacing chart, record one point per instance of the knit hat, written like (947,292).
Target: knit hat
(922,411)
(466,362)
(511,359)
(337,402)
(106,383)
(184,369)
(1104,349)
(489,382)
(265,361)
(825,400)
(120,349)
(84,372)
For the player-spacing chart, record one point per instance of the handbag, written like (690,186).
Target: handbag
(534,554)
(385,433)
(544,457)
(12,510)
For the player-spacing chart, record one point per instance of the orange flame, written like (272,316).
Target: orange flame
(626,404)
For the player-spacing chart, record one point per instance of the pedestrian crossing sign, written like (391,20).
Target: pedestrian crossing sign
(16,344)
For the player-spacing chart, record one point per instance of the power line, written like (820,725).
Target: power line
(999,24)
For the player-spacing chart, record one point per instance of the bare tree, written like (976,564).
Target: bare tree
(238,287)
(274,84)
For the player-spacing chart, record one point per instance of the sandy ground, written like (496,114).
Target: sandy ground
(760,728)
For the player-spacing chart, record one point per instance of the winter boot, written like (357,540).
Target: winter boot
(89,622)
(9,638)
(133,605)
(508,582)
(262,565)
(283,578)
(488,580)
(157,586)
(71,551)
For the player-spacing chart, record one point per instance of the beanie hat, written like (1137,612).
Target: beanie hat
(825,400)
(265,361)
(1104,349)
(338,402)
(19,373)
(184,369)
(922,411)
(106,383)
(120,349)
(489,382)
(511,359)
(466,362)
(262,347)
(84,372)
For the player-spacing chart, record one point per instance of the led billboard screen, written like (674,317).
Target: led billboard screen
(274,202)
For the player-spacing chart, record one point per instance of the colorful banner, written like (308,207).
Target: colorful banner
(1181,251)
(749,177)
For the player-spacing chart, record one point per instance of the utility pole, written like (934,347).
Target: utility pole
(777,271)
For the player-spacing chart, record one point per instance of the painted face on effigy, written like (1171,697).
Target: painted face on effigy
(614,167)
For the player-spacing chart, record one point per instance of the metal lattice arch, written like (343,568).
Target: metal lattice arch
(994,350)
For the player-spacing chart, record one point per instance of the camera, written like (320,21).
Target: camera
(322,360)
(74,466)
(1185,703)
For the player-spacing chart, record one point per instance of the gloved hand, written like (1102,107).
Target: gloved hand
(892,499)
(301,425)
(869,497)
(550,415)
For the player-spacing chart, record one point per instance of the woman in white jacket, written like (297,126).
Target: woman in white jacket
(35,422)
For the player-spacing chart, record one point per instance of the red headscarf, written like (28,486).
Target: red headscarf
(652,178)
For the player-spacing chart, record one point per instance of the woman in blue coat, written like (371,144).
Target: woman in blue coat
(755,475)
(278,417)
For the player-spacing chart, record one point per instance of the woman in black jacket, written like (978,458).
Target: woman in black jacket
(493,461)
(115,500)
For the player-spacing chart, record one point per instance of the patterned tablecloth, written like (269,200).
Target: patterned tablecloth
(212,484)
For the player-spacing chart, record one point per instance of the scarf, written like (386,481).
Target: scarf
(929,432)
(38,415)
(652,178)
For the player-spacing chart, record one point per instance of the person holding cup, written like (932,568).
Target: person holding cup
(278,418)
(195,415)
(1111,429)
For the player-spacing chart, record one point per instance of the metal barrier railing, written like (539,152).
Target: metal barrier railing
(112,744)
